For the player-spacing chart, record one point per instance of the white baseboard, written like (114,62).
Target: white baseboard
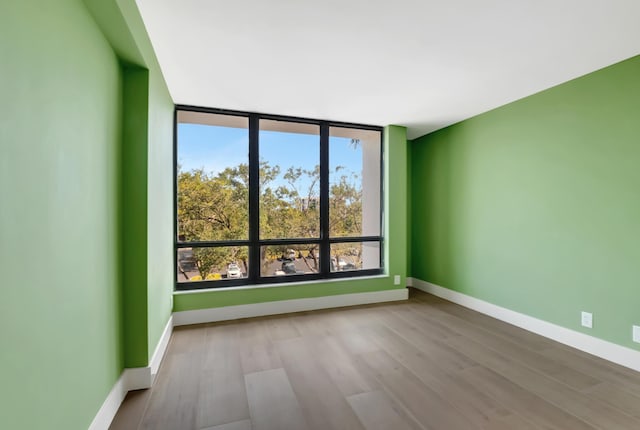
(286,306)
(110,407)
(137,378)
(161,348)
(601,348)
(132,378)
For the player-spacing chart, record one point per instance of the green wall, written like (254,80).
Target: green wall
(160,258)
(534,206)
(133,192)
(147,184)
(159,178)
(60,128)
(123,25)
(85,144)
(395,252)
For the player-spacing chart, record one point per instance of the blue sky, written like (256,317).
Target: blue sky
(214,148)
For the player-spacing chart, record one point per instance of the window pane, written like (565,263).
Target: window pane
(355,256)
(354,182)
(212,264)
(289,180)
(213,177)
(283,260)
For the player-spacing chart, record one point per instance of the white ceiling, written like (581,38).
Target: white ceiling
(423,64)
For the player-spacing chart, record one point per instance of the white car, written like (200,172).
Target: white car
(340,264)
(233,271)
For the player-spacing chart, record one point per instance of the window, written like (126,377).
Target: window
(265,199)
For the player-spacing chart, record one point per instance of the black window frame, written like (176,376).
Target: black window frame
(254,243)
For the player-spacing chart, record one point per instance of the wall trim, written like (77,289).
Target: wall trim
(132,378)
(286,306)
(137,378)
(161,348)
(610,351)
(110,407)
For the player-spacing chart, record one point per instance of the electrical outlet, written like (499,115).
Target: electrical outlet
(587,319)
(636,333)
(396,280)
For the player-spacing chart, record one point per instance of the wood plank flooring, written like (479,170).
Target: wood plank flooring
(422,364)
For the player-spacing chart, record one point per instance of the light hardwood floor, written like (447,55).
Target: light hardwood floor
(421,364)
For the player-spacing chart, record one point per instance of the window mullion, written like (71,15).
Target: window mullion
(254,198)
(325,248)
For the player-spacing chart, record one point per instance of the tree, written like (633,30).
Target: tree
(213,207)
(345,205)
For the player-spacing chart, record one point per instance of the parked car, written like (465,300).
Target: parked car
(340,264)
(233,271)
(348,266)
(289,268)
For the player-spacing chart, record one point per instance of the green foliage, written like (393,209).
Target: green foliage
(345,213)
(215,207)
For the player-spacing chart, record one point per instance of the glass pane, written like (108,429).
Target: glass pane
(286,260)
(212,264)
(213,177)
(289,180)
(355,256)
(354,182)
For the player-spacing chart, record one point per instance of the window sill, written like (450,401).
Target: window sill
(280,284)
